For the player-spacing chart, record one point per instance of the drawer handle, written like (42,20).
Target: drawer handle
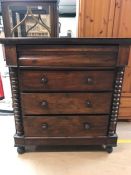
(44,126)
(89,81)
(88,104)
(87,126)
(44,80)
(44,104)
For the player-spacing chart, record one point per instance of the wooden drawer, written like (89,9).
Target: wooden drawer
(125,101)
(66,80)
(125,106)
(66,103)
(125,113)
(67,56)
(65,126)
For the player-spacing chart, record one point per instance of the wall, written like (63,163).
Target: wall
(68,24)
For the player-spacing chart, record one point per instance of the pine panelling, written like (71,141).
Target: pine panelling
(125,17)
(118,4)
(125,113)
(109,18)
(96,18)
(84,20)
(81,18)
(125,106)
(125,100)
(105,18)
(127,77)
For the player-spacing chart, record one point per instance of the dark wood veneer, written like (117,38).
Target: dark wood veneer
(66,80)
(66,103)
(65,126)
(66,91)
(115,42)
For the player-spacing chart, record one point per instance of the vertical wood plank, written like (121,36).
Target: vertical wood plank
(111,18)
(88,18)
(96,18)
(80,19)
(122,24)
(127,76)
(125,19)
(118,5)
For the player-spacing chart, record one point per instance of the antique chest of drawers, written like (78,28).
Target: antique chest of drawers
(66,91)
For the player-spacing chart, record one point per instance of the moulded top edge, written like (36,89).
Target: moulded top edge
(69,41)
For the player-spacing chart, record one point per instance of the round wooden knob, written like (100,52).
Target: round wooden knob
(44,126)
(89,80)
(44,80)
(87,126)
(44,103)
(88,104)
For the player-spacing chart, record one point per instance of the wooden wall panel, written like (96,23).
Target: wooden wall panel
(122,24)
(104,18)
(125,106)
(109,18)
(126,100)
(127,77)
(116,24)
(127,81)
(96,18)
(125,113)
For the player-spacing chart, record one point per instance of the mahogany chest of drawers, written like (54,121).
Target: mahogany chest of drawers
(66,91)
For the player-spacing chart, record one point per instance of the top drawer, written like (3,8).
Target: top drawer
(67,56)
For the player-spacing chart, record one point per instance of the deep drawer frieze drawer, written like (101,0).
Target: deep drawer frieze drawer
(66,80)
(67,56)
(66,103)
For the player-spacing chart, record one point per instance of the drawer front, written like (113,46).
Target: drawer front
(66,103)
(67,56)
(65,126)
(66,80)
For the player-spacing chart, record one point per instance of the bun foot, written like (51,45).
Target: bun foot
(21,150)
(109,149)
